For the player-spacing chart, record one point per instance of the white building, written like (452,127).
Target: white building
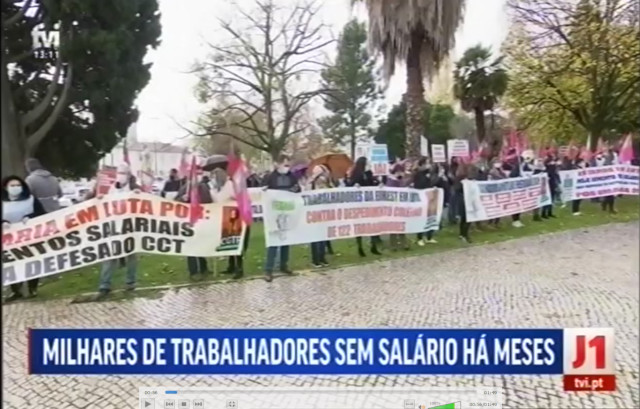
(162,156)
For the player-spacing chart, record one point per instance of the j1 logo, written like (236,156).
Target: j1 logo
(588,351)
(588,361)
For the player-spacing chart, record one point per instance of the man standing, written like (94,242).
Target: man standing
(125,182)
(43,185)
(280,179)
(171,186)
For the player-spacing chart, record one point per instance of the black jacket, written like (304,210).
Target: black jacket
(365,179)
(171,185)
(423,180)
(278,181)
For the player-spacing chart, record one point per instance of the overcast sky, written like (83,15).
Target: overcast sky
(169,96)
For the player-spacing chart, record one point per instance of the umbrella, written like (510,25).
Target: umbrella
(299,170)
(338,163)
(215,162)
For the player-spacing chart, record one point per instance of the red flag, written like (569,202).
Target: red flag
(626,151)
(195,212)
(125,153)
(239,173)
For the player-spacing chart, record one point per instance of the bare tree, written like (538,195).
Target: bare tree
(263,75)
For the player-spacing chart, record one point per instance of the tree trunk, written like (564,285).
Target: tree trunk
(480,129)
(13,141)
(414,97)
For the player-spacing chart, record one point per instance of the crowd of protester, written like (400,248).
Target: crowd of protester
(37,194)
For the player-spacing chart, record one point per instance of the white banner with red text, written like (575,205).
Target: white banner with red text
(116,226)
(486,200)
(327,214)
(599,181)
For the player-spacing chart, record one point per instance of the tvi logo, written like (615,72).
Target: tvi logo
(46,42)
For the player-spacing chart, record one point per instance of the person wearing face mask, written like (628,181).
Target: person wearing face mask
(197,266)
(609,158)
(280,179)
(320,179)
(125,182)
(497,172)
(171,186)
(424,178)
(578,163)
(18,206)
(361,175)
(551,168)
(398,179)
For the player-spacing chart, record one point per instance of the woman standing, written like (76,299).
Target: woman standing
(398,178)
(320,179)
(19,205)
(361,176)
(462,174)
(426,177)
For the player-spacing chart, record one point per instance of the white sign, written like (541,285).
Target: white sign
(379,159)
(328,214)
(362,149)
(458,148)
(488,200)
(424,146)
(438,154)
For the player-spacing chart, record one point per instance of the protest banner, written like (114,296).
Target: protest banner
(105,179)
(458,148)
(599,181)
(424,146)
(438,153)
(486,200)
(327,214)
(379,159)
(113,227)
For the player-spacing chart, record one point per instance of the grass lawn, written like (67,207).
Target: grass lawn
(156,270)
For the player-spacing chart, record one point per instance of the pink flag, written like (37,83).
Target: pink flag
(239,173)
(195,212)
(183,169)
(585,154)
(626,151)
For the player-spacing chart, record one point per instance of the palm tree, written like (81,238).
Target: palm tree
(479,83)
(419,33)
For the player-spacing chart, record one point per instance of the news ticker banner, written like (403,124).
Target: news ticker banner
(584,355)
(112,227)
(322,397)
(486,200)
(599,182)
(340,213)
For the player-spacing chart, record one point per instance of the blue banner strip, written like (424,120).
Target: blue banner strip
(296,351)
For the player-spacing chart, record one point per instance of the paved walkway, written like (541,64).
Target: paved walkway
(582,278)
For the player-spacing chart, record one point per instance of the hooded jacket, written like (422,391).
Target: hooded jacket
(43,185)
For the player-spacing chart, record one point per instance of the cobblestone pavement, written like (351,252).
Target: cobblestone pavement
(581,278)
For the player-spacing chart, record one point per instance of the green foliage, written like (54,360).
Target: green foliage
(351,88)
(438,120)
(574,69)
(479,83)
(102,50)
